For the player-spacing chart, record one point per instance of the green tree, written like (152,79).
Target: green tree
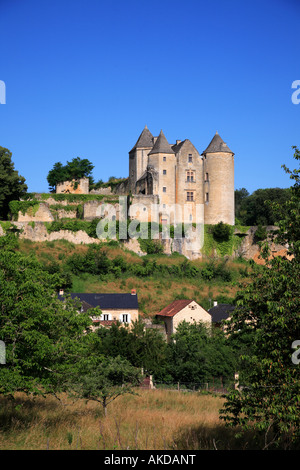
(239,195)
(268,309)
(256,209)
(75,169)
(198,354)
(43,336)
(105,382)
(142,347)
(12,185)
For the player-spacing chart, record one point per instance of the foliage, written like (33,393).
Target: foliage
(72,198)
(75,169)
(142,347)
(74,225)
(151,247)
(95,261)
(255,209)
(260,234)
(29,206)
(106,381)
(42,335)
(221,232)
(196,354)
(268,309)
(225,244)
(11,183)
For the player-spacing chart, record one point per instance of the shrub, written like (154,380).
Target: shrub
(221,231)
(260,234)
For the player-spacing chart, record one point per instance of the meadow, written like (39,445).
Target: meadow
(149,420)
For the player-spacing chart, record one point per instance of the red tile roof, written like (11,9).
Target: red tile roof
(174,308)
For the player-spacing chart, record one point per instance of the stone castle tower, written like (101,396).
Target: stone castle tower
(178,175)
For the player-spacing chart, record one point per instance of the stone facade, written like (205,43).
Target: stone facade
(80,186)
(191,187)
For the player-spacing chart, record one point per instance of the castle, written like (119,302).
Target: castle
(178,176)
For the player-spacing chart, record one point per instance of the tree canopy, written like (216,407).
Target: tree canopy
(255,209)
(42,335)
(268,308)
(12,185)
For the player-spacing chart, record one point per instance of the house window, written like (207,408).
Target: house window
(206,177)
(164,172)
(124,318)
(190,176)
(105,316)
(190,157)
(164,189)
(206,197)
(190,196)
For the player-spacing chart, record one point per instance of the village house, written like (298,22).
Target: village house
(122,308)
(182,310)
(219,313)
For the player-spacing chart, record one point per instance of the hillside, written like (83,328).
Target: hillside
(159,279)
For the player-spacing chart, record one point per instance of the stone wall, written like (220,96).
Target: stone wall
(43,214)
(80,186)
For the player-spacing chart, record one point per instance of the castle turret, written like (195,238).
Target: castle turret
(218,169)
(138,157)
(162,158)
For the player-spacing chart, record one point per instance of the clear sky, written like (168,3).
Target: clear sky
(83,78)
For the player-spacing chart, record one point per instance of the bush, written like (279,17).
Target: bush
(221,232)
(260,234)
(151,247)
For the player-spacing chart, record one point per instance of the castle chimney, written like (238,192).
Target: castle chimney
(215,303)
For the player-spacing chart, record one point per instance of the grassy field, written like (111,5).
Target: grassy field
(151,420)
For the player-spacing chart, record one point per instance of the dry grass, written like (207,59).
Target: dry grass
(151,420)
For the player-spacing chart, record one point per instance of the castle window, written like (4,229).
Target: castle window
(190,176)
(206,197)
(164,159)
(190,157)
(190,196)
(164,189)
(206,177)
(164,172)
(124,318)
(105,317)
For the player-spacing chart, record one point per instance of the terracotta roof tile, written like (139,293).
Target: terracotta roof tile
(174,307)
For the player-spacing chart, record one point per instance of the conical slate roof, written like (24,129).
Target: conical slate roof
(145,139)
(217,145)
(161,145)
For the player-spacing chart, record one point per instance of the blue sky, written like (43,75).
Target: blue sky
(84,77)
